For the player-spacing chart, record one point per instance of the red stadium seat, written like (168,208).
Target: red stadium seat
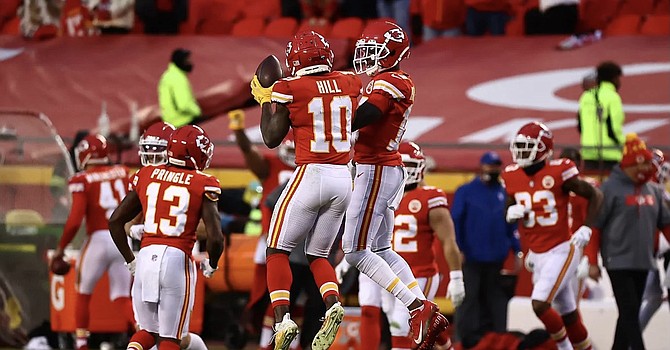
(219,17)
(595,14)
(347,28)
(323,29)
(656,25)
(248,27)
(283,27)
(636,7)
(11,27)
(8,9)
(624,25)
(261,9)
(662,7)
(515,26)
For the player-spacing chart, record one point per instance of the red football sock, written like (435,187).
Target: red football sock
(554,324)
(125,305)
(579,336)
(324,276)
(371,327)
(279,279)
(168,345)
(141,340)
(81,311)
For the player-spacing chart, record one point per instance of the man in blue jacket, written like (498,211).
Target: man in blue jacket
(485,239)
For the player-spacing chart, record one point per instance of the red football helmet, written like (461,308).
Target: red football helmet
(153,144)
(308,53)
(414,160)
(532,144)
(92,149)
(662,167)
(190,147)
(381,46)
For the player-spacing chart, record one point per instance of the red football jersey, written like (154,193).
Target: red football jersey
(321,110)
(96,192)
(377,143)
(578,205)
(279,172)
(172,200)
(546,222)
(413,237)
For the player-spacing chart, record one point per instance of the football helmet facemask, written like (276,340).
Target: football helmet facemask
(532,144)
(153,144)
(381,47)
(414,160)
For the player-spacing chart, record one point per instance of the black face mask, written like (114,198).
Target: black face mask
(491,177)
(186,67)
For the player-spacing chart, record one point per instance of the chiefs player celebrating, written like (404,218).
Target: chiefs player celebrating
(96,191)
(381,117)
(539,191)
(173,197)
(317,104)
(153,152)
(421,217)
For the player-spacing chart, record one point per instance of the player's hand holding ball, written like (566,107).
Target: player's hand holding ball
(58,264)
(207,269)
(581,237)
(515,212)
(456,288)
(261,94)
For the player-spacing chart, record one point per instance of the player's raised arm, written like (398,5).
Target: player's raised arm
(274,125)
(252,156)
(125,212)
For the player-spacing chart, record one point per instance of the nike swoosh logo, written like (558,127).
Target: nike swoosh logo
(359,174)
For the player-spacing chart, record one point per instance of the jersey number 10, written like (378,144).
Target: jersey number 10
(339,113)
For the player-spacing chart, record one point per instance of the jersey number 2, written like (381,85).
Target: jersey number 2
(404,235)
(340,112)
(176,212)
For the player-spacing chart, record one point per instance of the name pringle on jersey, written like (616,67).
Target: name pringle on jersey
(170,176)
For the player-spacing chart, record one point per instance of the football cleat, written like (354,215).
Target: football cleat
(285,332)
(331,324)
(436,333)
(420,319)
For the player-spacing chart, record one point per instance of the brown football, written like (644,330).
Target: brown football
(269,71)
(59,266)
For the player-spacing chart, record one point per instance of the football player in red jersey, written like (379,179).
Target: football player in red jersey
(271,169)
(381,118)
(96,191)
(539,190)
(421,217)
(318,104)
(153,152)
(173,197)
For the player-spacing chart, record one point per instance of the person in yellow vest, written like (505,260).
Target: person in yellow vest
(175,96)
(601,119)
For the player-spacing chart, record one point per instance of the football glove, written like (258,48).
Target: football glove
(207,269)
(261,94)
(136,232)
(583,268)
(581,237)
(341,269)
(131,266)
(515,212)
(236,119)
(456,288)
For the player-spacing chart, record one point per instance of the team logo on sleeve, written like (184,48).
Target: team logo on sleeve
(414,206)
(368,88)
(548,182)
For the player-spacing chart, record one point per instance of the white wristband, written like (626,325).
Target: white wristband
(456,274)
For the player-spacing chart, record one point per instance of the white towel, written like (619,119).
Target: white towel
(149,266)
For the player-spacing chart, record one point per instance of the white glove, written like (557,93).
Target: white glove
(136,232)
(515,212)
(341,269)
(581,237)
(131,266)
(207,269)
(583,268)
(456,288)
